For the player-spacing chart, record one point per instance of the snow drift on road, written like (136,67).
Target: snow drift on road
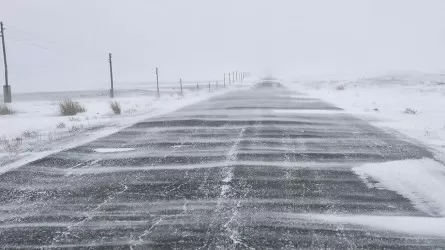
(421,181)
(401,224)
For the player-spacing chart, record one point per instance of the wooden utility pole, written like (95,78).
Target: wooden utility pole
(224,80)
(6,87)
(111,76)
(180,82)
(157,82)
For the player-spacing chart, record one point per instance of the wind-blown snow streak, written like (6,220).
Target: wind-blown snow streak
(113,150)
(422,181)
(401,224)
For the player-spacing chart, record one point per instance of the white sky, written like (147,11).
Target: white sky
(61,44)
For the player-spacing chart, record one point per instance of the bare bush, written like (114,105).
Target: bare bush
(410,111)
(11,146)
(6,110)
(29,134)
(116,107)
(60,125)
(74,128)
(131,111)
(340,87)
(69,107)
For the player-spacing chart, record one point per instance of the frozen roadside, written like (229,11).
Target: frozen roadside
(36,130)
(412,105)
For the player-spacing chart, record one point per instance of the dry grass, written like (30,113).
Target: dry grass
(116,107)
(60,125)
(29,134)
(6,109)
(11,146)
(69,107)
(340,87)
(75,128)
(410,111)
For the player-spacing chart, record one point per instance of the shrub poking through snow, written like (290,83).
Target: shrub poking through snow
(11,146)
(75,128)
(410,111)
(340,87)
(6,110)
(116,107)
(29,134)
(60,125)
(69,107)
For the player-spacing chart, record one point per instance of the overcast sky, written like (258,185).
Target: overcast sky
(61,44)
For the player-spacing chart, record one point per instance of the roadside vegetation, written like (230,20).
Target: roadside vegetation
(68,107)
(6,109)
(116,107)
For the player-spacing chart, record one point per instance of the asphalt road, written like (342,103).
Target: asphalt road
(242,170)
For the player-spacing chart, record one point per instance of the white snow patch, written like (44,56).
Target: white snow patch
(421,181)
(113,150)
(308,111)
(426,226)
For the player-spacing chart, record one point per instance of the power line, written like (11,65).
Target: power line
(27,42)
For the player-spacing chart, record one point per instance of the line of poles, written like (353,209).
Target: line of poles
(232,77)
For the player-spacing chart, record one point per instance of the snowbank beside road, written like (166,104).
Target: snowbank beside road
(412,104)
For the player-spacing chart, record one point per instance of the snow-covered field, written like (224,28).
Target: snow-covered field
(36,129)
(410,105)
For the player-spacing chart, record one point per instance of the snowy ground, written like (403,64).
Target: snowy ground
(252,169)
(232,166)
(36,129)
(412,106)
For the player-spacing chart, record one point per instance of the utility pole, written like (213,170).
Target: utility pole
(224,80)
(180,82)
(157,82)
(6,87)
(230,81)
(111,76)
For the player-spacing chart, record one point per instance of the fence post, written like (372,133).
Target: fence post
(180,82)
(157,82)
(6,88)
(111,76)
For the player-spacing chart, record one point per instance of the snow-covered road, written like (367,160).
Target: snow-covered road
(258,168)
